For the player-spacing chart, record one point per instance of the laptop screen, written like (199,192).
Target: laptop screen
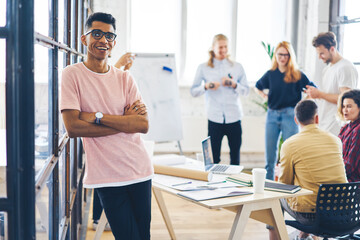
(207,153)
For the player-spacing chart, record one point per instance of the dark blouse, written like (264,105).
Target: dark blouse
(282,94)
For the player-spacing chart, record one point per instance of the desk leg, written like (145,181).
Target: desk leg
(160,201)
(279,220)
(240,221)
(271,211)
(101,226)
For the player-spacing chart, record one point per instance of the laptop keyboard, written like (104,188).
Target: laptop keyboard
(219,168)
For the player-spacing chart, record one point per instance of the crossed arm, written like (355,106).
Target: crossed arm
(82,124)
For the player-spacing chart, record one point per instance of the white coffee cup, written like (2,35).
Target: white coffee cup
(258,179)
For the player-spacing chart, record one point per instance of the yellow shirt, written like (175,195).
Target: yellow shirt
(310,158)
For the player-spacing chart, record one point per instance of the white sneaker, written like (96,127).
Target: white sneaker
(307,238)
(107,226)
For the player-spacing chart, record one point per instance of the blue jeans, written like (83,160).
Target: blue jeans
(277,121)
(128,210)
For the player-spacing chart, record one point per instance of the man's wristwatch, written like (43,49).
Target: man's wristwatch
(98,117)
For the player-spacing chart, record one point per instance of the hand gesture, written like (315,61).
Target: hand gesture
(264,95)
(312,92)
(212,85)
(125,60)
(137,108)
(228,82)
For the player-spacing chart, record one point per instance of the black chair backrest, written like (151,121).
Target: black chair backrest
(338,206)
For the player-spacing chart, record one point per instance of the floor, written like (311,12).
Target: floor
(193,222)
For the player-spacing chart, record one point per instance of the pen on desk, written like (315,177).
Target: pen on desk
(179,184)
(210,183)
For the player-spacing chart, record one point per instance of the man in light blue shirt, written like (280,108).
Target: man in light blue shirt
(222,81)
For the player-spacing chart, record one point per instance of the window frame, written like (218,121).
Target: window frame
(22,187)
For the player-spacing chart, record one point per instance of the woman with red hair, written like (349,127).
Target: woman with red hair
(285,83)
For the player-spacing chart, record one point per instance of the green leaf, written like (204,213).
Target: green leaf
(269,50)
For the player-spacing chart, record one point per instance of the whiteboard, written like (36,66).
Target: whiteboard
(155,75)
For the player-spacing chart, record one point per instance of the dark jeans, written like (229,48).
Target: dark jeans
(233,132)
(301,217)
(128,210)
(97,208)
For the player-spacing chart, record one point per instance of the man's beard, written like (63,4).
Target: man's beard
(329,60)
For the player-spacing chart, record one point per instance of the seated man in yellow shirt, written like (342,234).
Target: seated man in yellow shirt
(309,158)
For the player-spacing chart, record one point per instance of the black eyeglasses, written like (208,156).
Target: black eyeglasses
(283,55)
(98,34)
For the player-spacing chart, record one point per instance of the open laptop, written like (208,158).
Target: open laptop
(216,168)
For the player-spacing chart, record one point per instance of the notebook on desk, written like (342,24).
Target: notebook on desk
(246,180)
(281,187)
(216,168)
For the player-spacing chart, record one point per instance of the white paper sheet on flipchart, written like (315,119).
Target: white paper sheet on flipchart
(218,181)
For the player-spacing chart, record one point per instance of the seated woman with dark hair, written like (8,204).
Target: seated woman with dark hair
(349,110)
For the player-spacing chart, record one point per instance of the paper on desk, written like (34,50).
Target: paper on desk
(185,184)
(212,194)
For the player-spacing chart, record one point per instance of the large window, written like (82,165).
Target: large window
(3,155)
(41,62)
(2,13)
(155,28)
(3,225)
(57,159)
(36,155)
(3,191)
(205,19)
(257,24)
(351,32)
(41,21)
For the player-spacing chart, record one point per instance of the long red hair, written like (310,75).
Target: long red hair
(292,73)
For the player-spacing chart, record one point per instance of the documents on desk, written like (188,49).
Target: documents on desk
(246,180)
(185,177)
(213,194)
(185,184)
(200,190)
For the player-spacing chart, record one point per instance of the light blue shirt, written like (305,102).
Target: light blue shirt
(222,105)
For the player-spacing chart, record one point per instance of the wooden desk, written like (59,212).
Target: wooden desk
(261,207)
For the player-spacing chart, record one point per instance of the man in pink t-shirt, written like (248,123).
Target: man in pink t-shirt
(102,105)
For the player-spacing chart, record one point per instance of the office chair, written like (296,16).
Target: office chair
(337,212)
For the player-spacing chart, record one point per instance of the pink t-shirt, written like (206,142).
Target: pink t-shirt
(114,160)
